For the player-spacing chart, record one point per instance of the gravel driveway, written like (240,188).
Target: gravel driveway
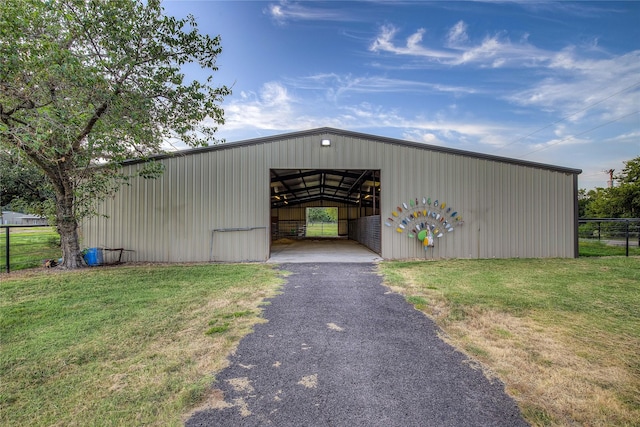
(340,350)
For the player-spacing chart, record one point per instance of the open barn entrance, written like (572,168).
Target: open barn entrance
(352,199)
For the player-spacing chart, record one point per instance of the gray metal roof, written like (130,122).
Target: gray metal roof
(351,134)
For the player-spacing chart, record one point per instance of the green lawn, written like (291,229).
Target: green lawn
(29,247)
(562,334)
(589,248)
(327,229)
(121,346)
(137,345)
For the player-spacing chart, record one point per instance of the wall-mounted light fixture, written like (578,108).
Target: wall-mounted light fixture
(325,142)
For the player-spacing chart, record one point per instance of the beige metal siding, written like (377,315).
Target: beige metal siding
(510,210)
(173,217)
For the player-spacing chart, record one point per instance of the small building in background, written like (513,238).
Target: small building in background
(19,218)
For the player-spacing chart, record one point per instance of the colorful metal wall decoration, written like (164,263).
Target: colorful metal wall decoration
(424,220)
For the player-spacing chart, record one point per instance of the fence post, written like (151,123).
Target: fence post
(627,235)
(6,243)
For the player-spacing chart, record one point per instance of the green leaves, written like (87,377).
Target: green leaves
(619,201)
(105,71)
(84,82)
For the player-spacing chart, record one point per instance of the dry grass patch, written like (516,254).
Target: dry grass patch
(545,366)
(563,335)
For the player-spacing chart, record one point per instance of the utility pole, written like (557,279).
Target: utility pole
(610,172)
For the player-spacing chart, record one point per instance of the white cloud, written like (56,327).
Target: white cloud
(461,134)
(384,43)
(270,109)
(494,52)
(285,11)
(458,34)
(336,86)
(274,94)
(500,52)
(414,40)
(560,130)
(557,142)
(579,91)
(274,109)
(607,87)
(631,137)
(422,136)
(571,83)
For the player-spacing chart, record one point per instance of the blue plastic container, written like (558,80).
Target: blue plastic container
(93,256)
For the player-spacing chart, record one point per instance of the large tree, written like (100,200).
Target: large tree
(87,84)
(629,188)
(619,201)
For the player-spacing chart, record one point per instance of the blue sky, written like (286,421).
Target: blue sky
(549,82)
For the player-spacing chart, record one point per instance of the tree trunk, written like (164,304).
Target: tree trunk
(68,230)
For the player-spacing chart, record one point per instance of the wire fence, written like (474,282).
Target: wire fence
(28,246)
(611,235)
